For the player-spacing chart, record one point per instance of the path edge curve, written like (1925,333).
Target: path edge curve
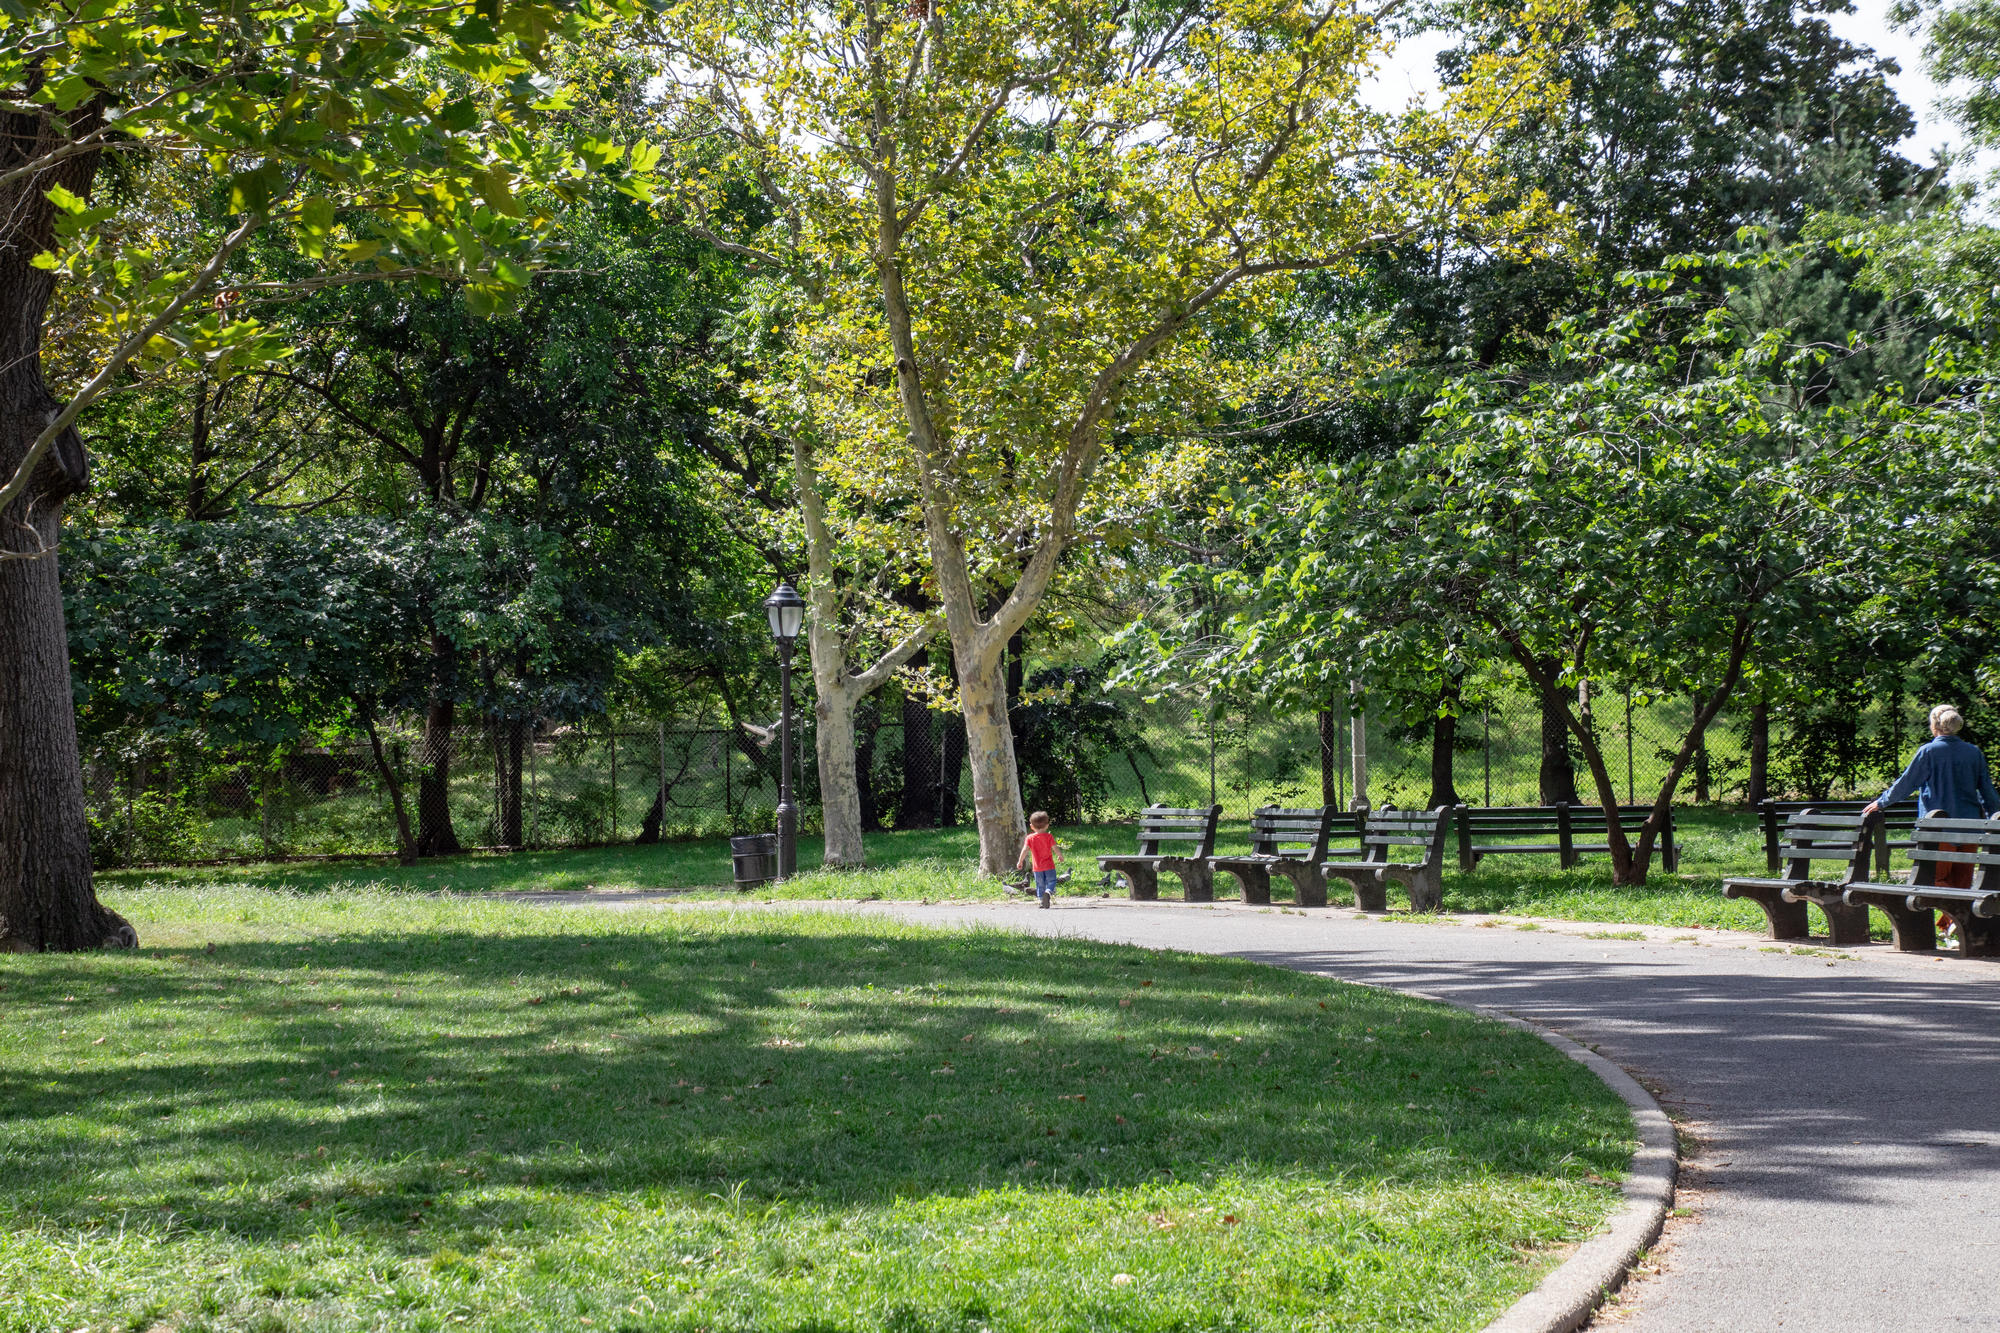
(1570,1293)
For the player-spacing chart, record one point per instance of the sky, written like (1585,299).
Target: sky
(1412,72)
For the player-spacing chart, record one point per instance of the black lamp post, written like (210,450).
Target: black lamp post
(786,611)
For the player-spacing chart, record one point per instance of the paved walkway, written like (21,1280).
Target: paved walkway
(1850,1105)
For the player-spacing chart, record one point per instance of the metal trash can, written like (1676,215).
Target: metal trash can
(756,859)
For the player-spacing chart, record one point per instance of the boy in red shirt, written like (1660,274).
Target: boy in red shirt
(1040,847)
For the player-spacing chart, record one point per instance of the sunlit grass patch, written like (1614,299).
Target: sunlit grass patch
(374,1111)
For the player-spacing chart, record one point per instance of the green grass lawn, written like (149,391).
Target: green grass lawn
(940,864)
(367,1110)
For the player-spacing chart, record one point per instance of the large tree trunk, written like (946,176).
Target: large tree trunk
(1558,775)
(989,751)
(1444,747)
(47,897)
(1758,786)
(435,834)
(839,793)
(836,689)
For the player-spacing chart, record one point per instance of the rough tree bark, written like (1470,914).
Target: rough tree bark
(1758,786)
(837,690)
(1558,773)
(1444,747)
(47,898)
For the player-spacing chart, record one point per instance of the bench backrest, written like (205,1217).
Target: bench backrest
(1163,823)
(1405,835)
(1525,819)
(1975,842)
(1898,816)
(1812,835)
(1273,828)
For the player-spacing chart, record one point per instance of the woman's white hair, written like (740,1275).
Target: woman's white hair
(1946,720)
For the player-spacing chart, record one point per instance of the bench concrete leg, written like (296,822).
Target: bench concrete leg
(1846,924)
(1197,880)
(1914,932)
(1256,882)
(1426,889)
(1788,920)
(1145,883)
(1308,883)
(1369,894)
(1978,936)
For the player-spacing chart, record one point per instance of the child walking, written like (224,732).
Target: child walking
(1040,847)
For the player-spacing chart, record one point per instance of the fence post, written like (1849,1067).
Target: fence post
(1486,749)
(1358,748)
(131,809)
(1211,751)
(663,780)
(534,797)
(1630,786)
(264,812)
(613,733)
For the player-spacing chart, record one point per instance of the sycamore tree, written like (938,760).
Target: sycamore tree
(1020,217)
(401,138)
(860,540)
(1657,517)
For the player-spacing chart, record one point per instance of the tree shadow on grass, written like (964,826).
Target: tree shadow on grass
(438,1088)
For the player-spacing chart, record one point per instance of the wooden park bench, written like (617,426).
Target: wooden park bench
(1891,834)
(1418,833)
(1158,824)
(1576,829)
(1912,908)
(1814,836)
(1272,829)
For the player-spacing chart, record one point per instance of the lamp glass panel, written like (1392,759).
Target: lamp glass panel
(787,620)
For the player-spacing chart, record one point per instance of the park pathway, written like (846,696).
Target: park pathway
(1849,1176)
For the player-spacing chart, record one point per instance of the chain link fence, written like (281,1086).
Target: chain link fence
(1085,760)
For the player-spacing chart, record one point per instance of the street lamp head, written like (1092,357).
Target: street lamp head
(786,611)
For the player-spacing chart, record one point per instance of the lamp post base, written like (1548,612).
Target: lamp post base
(788,840)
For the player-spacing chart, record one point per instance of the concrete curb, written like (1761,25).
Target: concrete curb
(1571,1293)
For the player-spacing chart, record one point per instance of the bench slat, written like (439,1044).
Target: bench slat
(1988,827)
(1981,858)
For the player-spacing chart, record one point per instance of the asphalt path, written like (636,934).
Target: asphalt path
(1848,1105)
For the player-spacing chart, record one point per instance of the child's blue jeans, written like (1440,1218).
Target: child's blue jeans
(1045,883)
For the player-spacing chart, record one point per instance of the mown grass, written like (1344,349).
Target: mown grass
(360,1110)
(942,864)
(915,864)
